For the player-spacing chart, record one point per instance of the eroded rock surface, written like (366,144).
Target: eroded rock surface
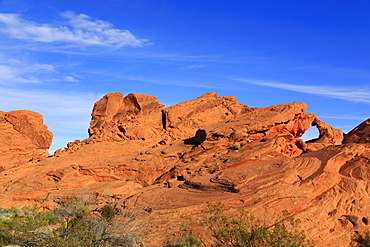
(23,137)
(141,117)
(360,134)
(168,161)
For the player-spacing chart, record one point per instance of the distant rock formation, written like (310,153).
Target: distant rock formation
(360,134)
(168,161)
(141,117)
(23,138)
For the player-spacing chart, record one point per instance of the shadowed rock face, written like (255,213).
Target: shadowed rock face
(207,149)
(360,134)
(23,137)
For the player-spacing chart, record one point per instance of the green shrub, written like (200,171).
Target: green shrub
(245,230)
(72,224)
(236,147)
(26,226)
(187,241)
(108,212)
(184,237)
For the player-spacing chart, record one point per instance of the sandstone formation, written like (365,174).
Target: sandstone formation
(141,117)
(23,138)
(360,134)
(168,161)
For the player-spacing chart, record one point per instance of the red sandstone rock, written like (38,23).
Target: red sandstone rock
(112,117)
(141,117)
(360,134)
(172,160)
(23,137)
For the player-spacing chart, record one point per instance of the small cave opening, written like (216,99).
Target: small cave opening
(311,134)
(365,220)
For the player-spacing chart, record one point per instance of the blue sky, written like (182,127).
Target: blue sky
(59,57)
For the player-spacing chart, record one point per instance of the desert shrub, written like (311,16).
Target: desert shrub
(186,241)
(83,227)
(244,230)
(236,147)
(72,224)
(185,237)
(362,241)
(26,226)
(108,212)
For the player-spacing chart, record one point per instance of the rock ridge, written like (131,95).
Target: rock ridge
(167,161)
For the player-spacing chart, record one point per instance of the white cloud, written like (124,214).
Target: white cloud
(70,78)
(14,71)
(79,30)
(350,94)
(67,114)
(10,74)
(193,66)
(346,117)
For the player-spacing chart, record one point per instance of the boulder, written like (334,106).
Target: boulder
(23,138)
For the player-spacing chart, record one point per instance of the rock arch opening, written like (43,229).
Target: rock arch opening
(311,133)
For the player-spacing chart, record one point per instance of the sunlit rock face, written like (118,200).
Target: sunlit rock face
(23,138)
(169,161)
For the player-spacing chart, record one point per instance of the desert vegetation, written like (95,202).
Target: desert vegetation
(243,230)
(74,223)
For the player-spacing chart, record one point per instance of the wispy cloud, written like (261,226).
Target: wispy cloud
(22,73)
(67,113)
(70,78)
(330,70)
(15,71)
(344,93)
(166,82)
(346,117)
(79,29)
(193,66)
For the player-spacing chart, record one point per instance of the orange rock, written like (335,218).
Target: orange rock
(168,161)
(360,134)
(23,138)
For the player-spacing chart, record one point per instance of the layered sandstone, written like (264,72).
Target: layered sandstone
(141,117)
(360,134)
(168,161)
(23,138)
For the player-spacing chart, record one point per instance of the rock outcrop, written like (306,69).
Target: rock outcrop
(23,138)
(168,161)
(360,134)
(141,117)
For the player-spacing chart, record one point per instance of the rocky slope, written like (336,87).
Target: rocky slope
(168,161)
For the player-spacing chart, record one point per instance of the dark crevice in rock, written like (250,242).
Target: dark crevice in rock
(164,119)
